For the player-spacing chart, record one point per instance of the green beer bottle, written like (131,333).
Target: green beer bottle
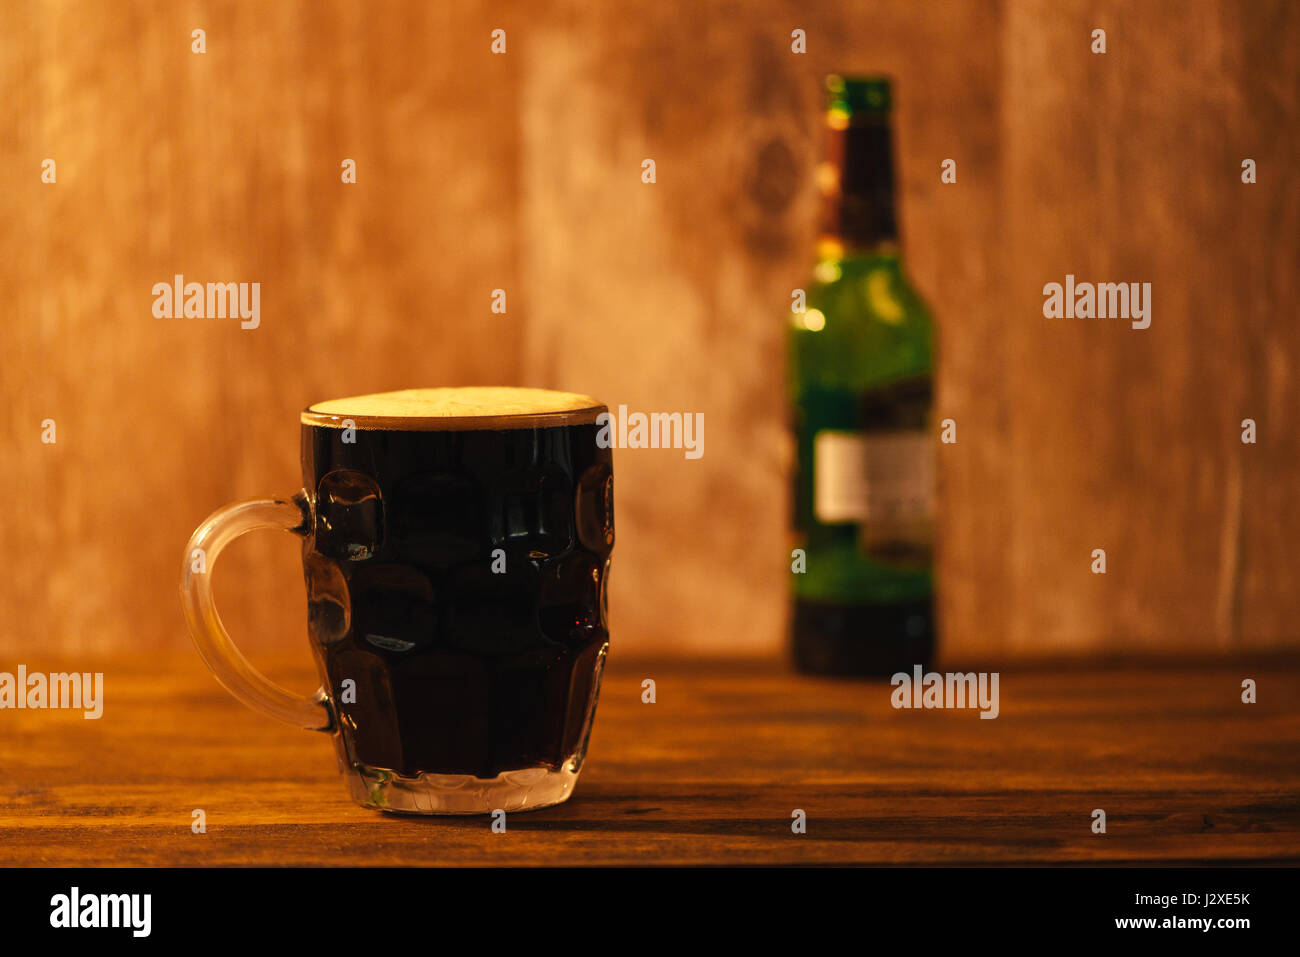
(860,387)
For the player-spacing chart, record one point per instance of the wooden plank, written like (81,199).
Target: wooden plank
(225,166)
(673,296)
(709,774)
(523,172)
(1126,166)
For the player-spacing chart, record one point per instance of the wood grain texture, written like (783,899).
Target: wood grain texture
(1127,166)
(709,774)
(522,172)
(226,166)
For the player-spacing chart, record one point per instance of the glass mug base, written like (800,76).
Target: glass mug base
(523,790)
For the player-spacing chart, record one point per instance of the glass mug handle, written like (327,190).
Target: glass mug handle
(231,668)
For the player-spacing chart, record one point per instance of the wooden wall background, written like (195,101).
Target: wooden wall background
(522,172)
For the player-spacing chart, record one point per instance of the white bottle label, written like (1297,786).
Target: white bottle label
(839,477)
(885,477)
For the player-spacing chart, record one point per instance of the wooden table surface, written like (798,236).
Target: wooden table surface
(709,774)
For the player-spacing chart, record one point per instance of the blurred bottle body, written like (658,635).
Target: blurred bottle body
(860,382)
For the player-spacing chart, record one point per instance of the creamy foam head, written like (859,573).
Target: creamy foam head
(460,408)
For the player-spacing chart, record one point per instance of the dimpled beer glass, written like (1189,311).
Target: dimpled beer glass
(455,545)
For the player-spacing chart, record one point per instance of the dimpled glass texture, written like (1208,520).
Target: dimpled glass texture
(457,609)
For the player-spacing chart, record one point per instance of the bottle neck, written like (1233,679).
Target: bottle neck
(857,185)
(836,249)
